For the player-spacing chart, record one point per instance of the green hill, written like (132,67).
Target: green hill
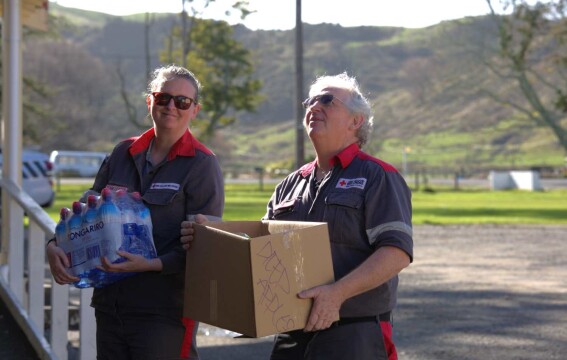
(425,84)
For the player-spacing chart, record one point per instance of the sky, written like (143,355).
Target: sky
(280,14)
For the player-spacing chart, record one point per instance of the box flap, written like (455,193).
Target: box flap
(278,226)
(250,228)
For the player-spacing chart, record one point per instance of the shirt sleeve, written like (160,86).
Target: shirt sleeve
(102,176)
(208,198)
(388,212)
(270,207)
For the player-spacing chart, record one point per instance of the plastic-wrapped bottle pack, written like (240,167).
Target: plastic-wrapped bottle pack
(115,220)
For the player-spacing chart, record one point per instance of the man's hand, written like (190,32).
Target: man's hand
(58,264)
(381,266)
(325,310)
(187,230)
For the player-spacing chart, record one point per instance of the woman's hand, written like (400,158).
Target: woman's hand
(58,264)
(133,263)
(187,231)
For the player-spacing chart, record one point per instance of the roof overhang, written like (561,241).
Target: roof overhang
(33,13)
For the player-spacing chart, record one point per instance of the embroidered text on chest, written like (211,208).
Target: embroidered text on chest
(358,183)
(165,186)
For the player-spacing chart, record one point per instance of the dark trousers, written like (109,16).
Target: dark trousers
(356,340)
(142,336)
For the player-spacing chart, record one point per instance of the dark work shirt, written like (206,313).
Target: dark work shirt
(188,182)
(366,204)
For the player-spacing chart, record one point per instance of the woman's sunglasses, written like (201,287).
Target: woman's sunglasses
(325,100)
(181,102)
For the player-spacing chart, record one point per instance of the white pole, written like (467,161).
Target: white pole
(12,214)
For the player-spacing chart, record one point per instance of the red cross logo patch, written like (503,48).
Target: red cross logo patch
(358,183)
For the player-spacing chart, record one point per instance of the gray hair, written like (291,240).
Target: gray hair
(170,72)
(357,102)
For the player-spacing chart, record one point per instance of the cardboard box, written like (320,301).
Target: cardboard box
(250,285)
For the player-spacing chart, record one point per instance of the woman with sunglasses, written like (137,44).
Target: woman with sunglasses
(367,206)
(140,317)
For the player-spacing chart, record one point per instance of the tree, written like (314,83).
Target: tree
(32,86)
(129,105)
(533,55)
(223,66)
(78,102)
(221,63)
(54,112)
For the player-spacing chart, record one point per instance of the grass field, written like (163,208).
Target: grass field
(442,206)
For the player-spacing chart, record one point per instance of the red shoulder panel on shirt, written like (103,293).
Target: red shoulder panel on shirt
(307,169)
(387,167)
(199,146)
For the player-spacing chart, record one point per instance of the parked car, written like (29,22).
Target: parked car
(76,163)
(37,178)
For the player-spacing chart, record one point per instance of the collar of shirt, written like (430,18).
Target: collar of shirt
(149,152)
(149,166)
(185,146)
(344,158)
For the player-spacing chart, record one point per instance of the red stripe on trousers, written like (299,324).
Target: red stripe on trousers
(387,333)
(187,338)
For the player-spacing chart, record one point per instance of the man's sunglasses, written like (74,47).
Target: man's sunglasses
(325,100)
(181,102)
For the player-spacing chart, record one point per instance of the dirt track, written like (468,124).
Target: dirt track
(487,292)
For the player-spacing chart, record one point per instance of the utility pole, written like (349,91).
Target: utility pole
(147,25)
(405,151)
(299,145)
(183,35)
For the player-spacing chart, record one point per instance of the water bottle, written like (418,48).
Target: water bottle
(76,236)
(62,232)
(144,215)
(76,218)
(91,243)
(144,236)
(61,229)
(109,215)
(91,211)
(129,221)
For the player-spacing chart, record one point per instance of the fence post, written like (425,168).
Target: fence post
(417,180)
(260,171)
(456,181)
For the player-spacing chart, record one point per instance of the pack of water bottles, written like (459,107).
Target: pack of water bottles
(114,220)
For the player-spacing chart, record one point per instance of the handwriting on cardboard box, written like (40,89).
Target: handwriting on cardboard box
(274,282)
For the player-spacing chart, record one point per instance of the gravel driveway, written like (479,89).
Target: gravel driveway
(489,292)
